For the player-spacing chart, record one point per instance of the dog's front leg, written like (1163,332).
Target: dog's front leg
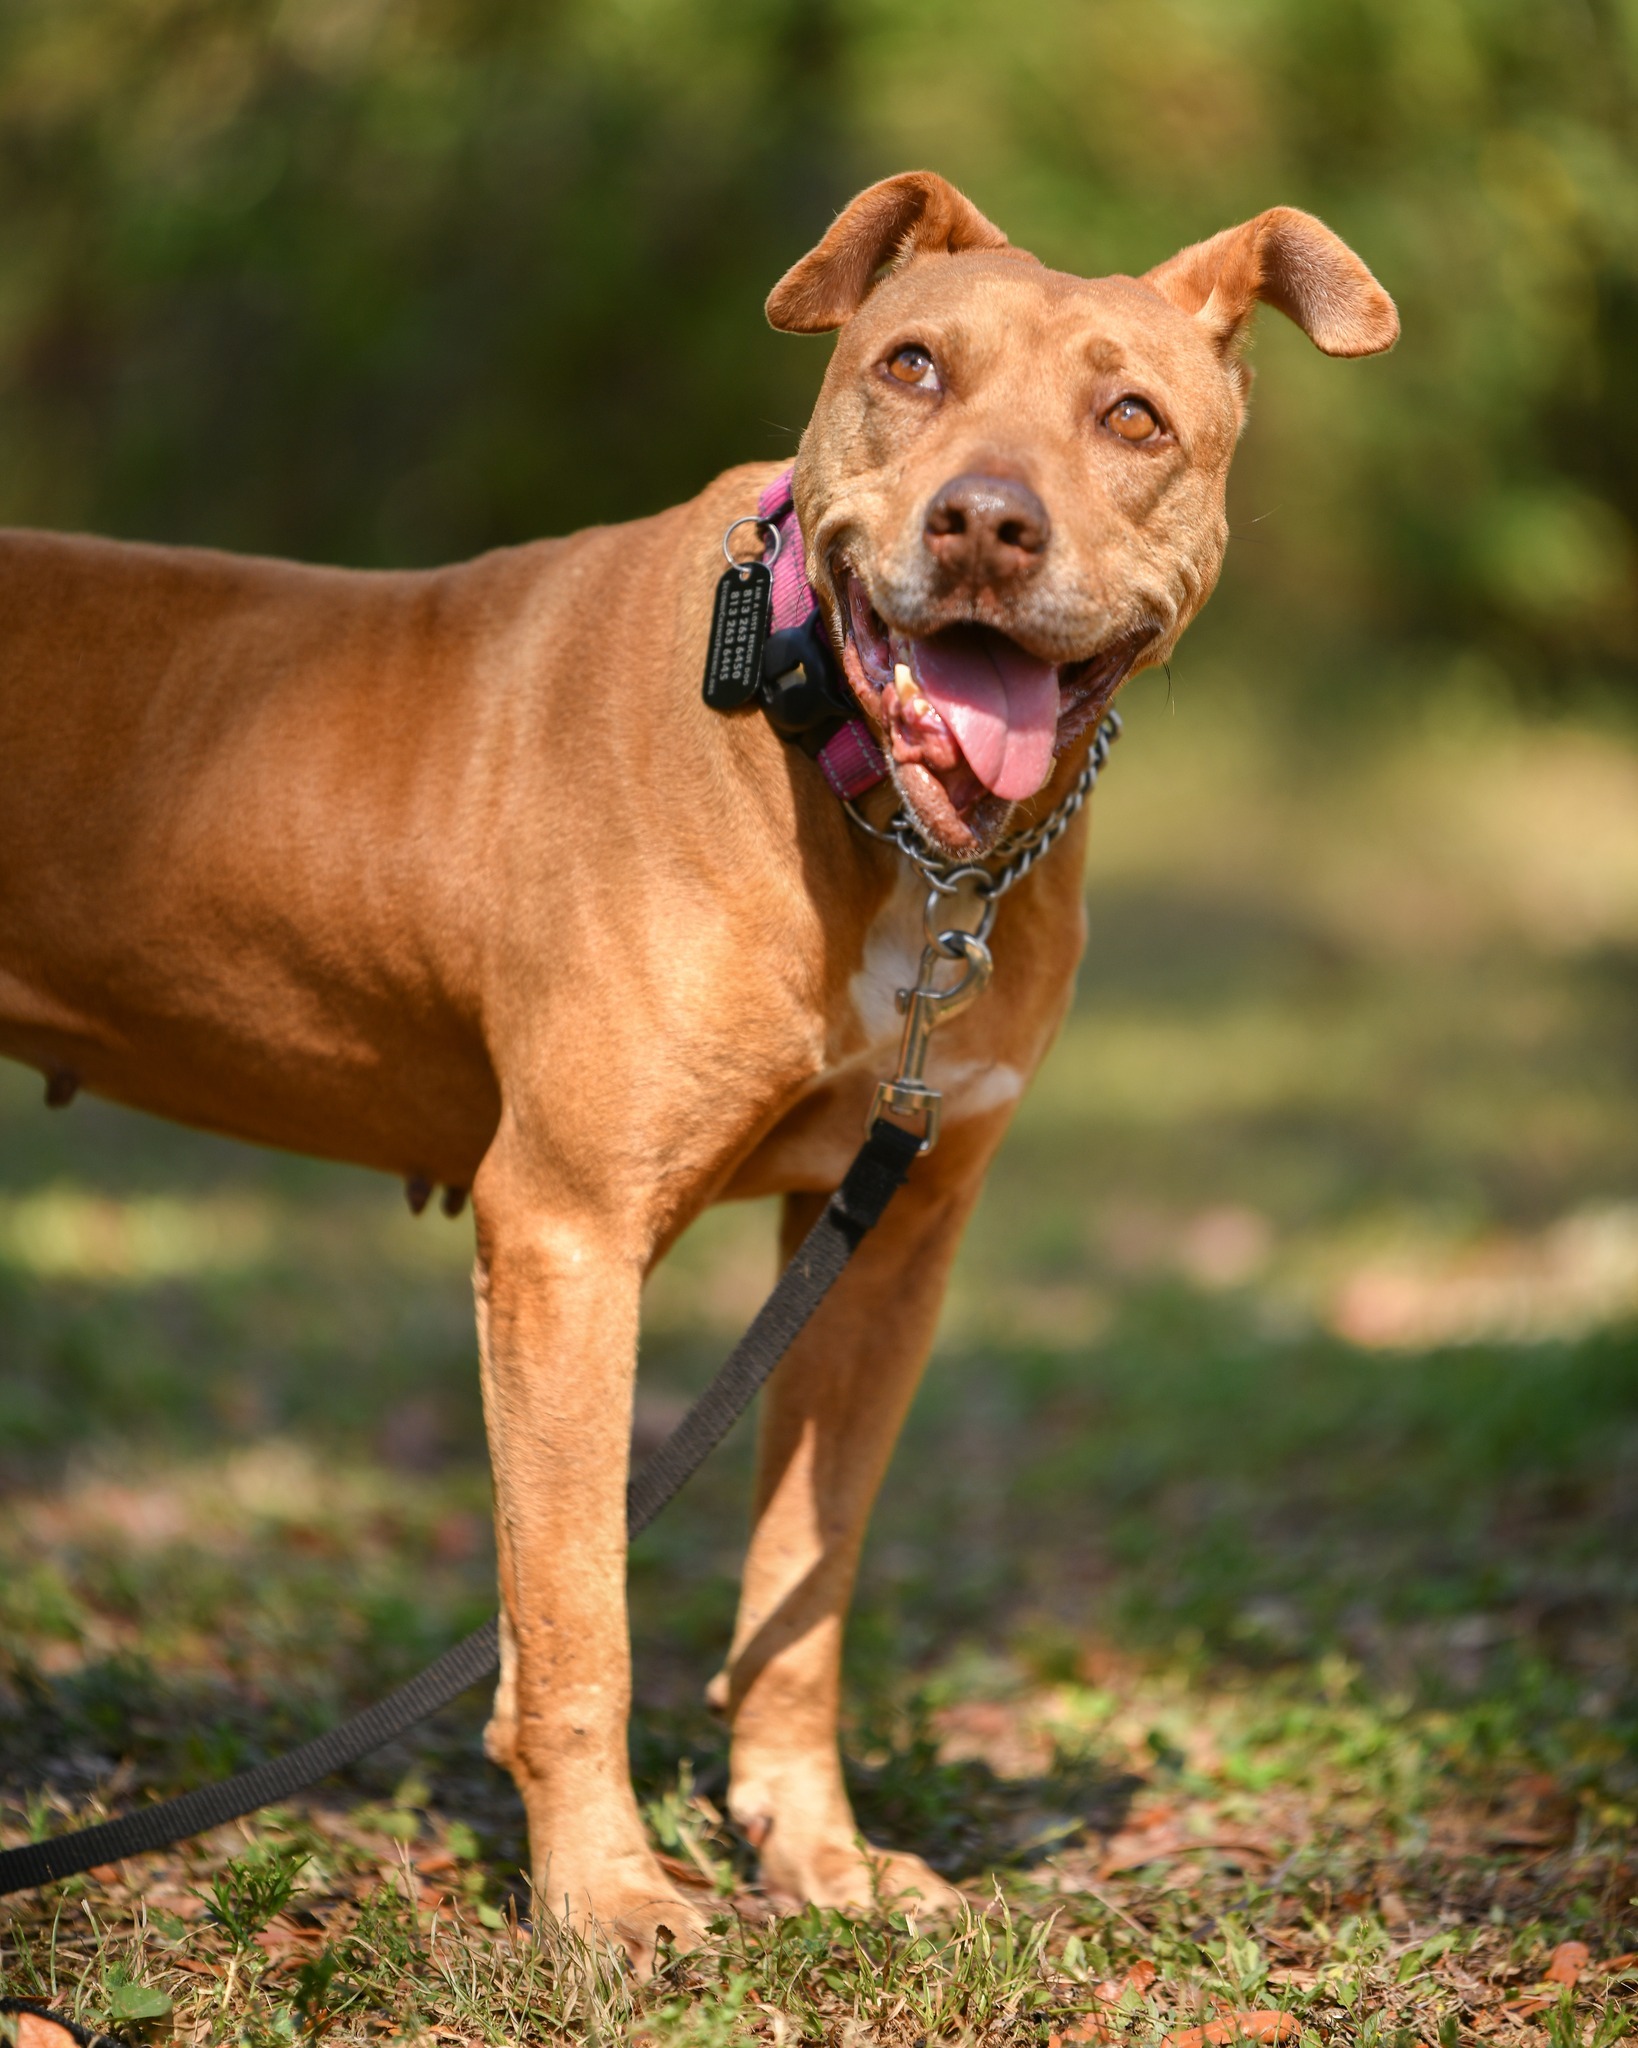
(557,1320)
(830,1417)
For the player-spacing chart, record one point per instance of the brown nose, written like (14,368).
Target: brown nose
(987,529)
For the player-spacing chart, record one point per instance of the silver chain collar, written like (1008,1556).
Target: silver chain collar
(1017,853)
(909,1096)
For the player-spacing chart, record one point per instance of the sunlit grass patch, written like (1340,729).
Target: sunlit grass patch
(1579,1274)
(1456,830)
(70,1233)
(1312,1858)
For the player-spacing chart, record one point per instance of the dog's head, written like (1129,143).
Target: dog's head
(1012,488)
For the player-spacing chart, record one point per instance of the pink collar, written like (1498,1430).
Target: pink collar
(850,759)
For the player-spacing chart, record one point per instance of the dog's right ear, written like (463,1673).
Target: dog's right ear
(914,214)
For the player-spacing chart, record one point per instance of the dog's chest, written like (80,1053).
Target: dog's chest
(980,1061)
(971,1078)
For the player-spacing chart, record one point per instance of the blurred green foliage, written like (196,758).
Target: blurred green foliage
(394,280)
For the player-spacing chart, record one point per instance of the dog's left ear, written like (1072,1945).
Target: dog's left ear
(914,214)
(1286,259)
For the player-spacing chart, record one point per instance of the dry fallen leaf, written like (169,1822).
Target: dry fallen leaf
(39,2030)
(1570,1958)
(1089,2027)
(1132,1849)
(1258,2025)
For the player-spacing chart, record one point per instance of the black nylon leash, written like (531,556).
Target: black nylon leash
(871,1182)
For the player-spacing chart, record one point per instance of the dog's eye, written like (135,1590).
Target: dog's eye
(1132,420)
(913,365)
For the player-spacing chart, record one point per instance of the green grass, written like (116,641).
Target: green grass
(1252,1596)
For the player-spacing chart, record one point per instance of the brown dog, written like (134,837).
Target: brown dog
(452,874)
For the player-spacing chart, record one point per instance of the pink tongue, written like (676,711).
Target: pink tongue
(1001,704)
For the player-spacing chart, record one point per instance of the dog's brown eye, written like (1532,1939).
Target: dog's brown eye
(913,365)
(1132,420)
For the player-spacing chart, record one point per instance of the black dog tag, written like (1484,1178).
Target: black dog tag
(739,629)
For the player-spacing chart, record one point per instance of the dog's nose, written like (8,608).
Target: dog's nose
(986,529)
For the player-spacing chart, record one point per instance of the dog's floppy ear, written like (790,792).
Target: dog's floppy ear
(915,213)
(1289,260)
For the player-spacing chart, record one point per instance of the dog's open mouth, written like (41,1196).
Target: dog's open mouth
(973,720)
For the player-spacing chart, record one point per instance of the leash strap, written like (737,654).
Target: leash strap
(871,1182)
(876,1175)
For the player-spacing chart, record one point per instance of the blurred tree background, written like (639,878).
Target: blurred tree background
(391,281)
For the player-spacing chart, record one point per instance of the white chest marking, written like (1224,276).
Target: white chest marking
(892,959)
(892,956)
(971,1087)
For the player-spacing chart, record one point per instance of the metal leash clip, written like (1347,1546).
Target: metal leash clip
(924,1008)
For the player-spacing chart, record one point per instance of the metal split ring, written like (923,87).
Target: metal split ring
(974,955)
(935,912)
(770,553)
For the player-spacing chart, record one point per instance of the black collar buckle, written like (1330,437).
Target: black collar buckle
(803,692)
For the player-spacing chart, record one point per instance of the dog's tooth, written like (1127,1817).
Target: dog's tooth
(904,682)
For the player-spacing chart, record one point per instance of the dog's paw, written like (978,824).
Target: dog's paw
(642,1927)
(844,1875)
(640,1918)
